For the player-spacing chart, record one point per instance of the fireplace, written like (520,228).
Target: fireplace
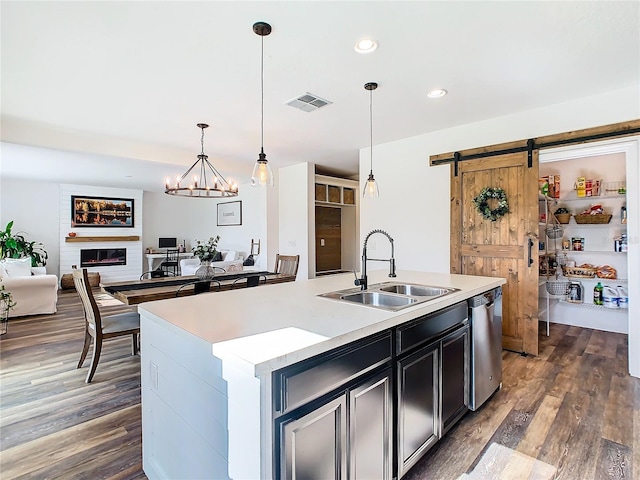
(103,257)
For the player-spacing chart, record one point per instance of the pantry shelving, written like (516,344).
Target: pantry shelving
(595,242)
(593,306)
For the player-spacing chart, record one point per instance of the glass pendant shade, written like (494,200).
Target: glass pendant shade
(371,187)
(262,175)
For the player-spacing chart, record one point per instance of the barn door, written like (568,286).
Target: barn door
(506,247)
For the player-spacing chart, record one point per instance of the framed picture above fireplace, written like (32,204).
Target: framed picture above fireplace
(101,212)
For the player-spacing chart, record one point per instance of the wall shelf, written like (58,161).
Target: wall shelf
(590,199)
(121,238)
(594,306)
(580,252)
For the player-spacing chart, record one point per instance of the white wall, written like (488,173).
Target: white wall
(170,216)
(34,208)
(273,223)
(297,214)
(190,219)
(254,224)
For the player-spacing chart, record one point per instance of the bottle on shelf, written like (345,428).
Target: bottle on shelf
(623,297)
(610,297)
(623,243)
(597,294)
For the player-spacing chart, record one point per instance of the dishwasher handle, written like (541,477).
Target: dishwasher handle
(489,296)
(488,299)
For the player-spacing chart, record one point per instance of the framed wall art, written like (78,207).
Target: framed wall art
(230,213)
(101,212)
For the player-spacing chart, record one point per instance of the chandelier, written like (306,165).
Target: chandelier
(206,181)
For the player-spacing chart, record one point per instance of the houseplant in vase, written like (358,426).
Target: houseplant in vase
(206,252)
(6,304)
(14,245)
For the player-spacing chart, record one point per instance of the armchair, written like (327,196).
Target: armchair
(34,294)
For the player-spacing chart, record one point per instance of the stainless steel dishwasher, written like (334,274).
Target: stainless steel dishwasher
(485,318)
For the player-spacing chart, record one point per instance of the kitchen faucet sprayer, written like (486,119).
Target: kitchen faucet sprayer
(363,282)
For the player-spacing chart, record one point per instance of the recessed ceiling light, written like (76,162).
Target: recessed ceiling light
(366,45)
(437,93)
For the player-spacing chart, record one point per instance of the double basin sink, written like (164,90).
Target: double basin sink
(391,295)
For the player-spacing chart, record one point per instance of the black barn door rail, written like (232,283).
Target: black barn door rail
(530,146)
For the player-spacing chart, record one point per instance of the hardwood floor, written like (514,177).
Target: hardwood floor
(52,424)
(573,409)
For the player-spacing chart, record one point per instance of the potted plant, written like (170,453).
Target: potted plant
(206,252)
(6,304)
(14,245)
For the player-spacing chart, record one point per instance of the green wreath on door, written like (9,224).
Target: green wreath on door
(482,203)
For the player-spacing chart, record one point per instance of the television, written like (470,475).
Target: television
(167,242)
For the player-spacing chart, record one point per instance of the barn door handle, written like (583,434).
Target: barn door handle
(530,245)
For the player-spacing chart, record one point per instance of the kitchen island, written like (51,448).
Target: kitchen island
(229,378)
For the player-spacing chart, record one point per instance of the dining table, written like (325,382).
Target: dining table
(135,292)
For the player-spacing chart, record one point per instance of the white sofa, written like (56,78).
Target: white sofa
(33,294)
(231,262)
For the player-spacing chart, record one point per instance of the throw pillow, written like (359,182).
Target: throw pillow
(229,255)
(17,267)
(218,257)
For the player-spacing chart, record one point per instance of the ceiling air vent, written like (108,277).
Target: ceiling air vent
(308,102)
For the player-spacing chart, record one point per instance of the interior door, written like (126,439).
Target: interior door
(507,247)
(328,239)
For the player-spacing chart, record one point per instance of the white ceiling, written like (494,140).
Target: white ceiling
(132,79)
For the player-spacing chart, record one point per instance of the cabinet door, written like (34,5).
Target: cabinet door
(370,429)
(418,420)
(314,445)
(455,377)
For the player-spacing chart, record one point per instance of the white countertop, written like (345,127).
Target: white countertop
(273,326)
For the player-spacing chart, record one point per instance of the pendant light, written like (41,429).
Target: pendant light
(207,182)
(262,175)
(371,187)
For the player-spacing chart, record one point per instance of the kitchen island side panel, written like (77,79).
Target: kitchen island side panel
(185,403)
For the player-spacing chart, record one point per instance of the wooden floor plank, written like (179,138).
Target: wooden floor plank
(536,434)
(614,461)
(573,408)
(562,434)
(602,344)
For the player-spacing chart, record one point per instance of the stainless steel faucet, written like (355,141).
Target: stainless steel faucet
(362,281)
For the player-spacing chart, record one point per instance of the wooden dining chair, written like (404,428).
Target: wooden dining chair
(199,286)
(287,264)
(101,328)
(157,273)
(249,280)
